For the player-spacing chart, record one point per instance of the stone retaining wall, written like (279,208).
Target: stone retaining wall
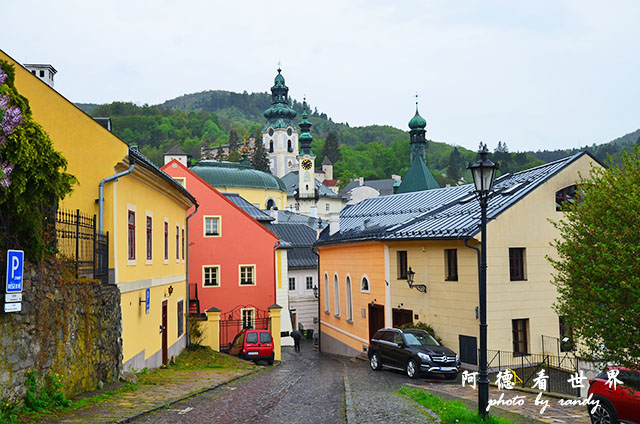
(67,326)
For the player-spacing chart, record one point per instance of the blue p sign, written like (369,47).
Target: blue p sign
(15,268)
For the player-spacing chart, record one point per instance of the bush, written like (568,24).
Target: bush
(423,326)
(44,396)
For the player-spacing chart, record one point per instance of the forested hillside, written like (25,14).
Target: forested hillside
(213,117)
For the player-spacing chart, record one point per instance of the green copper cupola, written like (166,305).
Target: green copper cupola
(280,114)
(417,134)
(305,137)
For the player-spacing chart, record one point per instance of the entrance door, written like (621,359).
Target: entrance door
(165,351)
(402,316)
(376,319)
(294,324)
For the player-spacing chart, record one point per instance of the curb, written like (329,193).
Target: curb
(199,392)
(434,417)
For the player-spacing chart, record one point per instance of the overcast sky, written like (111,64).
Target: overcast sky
(536,74)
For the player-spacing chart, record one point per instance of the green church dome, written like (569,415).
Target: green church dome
(417,122)
(280,113)
(233,174)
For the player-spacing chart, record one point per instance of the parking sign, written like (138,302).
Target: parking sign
(15,269)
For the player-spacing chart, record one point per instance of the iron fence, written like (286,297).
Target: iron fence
(78,243)
(241,318)
(526,367)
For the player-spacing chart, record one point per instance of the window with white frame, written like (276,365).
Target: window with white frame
(149,238)
(247,275)
(364,284)
(336,294)
(211,275)
(326,293)
(131,234)
(309,283)
(248,318)
(212,226)
(166,241)
(347,288)
(292,283)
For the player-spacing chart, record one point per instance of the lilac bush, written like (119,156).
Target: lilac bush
(10,118)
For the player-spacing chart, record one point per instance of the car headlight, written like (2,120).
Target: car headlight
(424,356)
(457,358)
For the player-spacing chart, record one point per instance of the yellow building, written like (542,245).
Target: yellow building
(365,255)
(143,211)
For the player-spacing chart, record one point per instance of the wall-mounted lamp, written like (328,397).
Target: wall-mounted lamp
(170,290)
(373,302)
(400,306)
(420,287)
(315,291)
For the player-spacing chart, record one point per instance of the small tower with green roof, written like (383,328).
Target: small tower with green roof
(280,134)
(306,159)
(418,176)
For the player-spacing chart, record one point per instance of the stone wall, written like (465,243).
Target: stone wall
(66,326)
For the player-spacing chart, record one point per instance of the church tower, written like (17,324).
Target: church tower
(280,135)
(306,160)
(417,134)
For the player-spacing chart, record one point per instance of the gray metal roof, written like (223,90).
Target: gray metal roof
(290,217)
(445,213)
(385,186)
(291,182)
(300,238)
(243,204)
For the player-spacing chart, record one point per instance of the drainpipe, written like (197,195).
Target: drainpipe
(276,246)
(187,274)
(315,252)
(132,163)
(466,243)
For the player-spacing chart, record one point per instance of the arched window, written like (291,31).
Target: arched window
(289,147)
(364,284)
(347,289)
(565,197)
(326,293)
(270,146)
(271,204)
(336,293)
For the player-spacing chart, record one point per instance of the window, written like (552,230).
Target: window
(520,341)
(166,241)
(292,283)
(265,337)
(516,263)
(336,294)
(42,74)
(177,243)
(181,180)
(270,146)
(327,207)
(211,226)
(347,289)
(309,283)
(247,275)
(326,293)
(180,317)
(402,265)
(183,244)
(566,336)
(289,147)
(364,284)
(565,197)
(252,336)
(149,238)
(211,276)
(249,321)
(131,234)
(451,264)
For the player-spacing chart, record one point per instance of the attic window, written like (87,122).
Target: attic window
(565,197)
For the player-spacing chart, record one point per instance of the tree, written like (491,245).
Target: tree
(260,156)
(332,147)
(234,140)
(454,170)
(598,268)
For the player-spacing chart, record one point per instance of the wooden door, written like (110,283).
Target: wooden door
(165,349)
(402,316)
(376,319)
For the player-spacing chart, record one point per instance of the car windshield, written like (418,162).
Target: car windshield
(420,339)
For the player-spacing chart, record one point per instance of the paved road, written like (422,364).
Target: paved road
(306,388)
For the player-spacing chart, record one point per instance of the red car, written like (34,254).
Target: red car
(253,345)
(621,404)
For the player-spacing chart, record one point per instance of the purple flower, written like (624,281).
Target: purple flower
(11,119)
(4,102)
(3,76)
(5,171)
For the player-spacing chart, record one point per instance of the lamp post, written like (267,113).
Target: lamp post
(484,173)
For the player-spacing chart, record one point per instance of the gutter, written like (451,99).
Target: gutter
(187,275)
(101,191)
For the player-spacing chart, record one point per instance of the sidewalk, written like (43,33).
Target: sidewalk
(126,406)
(555,413)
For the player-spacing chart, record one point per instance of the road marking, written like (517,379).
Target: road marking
(181,411)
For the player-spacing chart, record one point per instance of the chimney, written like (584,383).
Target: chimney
(361,180)
(319,228)
(334,223)
(274,214)
(45,72)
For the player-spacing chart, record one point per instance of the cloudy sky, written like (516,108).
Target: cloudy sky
(536,74)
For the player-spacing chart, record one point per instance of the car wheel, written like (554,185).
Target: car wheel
(605,412)
(374,361)
(412,369)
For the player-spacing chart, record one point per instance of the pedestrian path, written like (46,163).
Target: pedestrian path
(526,404)
(128,405)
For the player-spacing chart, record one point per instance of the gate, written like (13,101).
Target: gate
(241,318)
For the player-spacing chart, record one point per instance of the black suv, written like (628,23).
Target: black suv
(414,351)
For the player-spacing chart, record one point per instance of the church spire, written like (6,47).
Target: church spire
(417,134)
(280,114)
(305,136)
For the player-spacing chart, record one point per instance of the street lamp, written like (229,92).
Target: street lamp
(315,291)
(484,173)
(420,287)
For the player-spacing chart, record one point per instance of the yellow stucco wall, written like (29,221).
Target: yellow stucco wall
(258,196)
(355,260)
(93,153)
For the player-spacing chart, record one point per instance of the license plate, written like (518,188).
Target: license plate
(252,353)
